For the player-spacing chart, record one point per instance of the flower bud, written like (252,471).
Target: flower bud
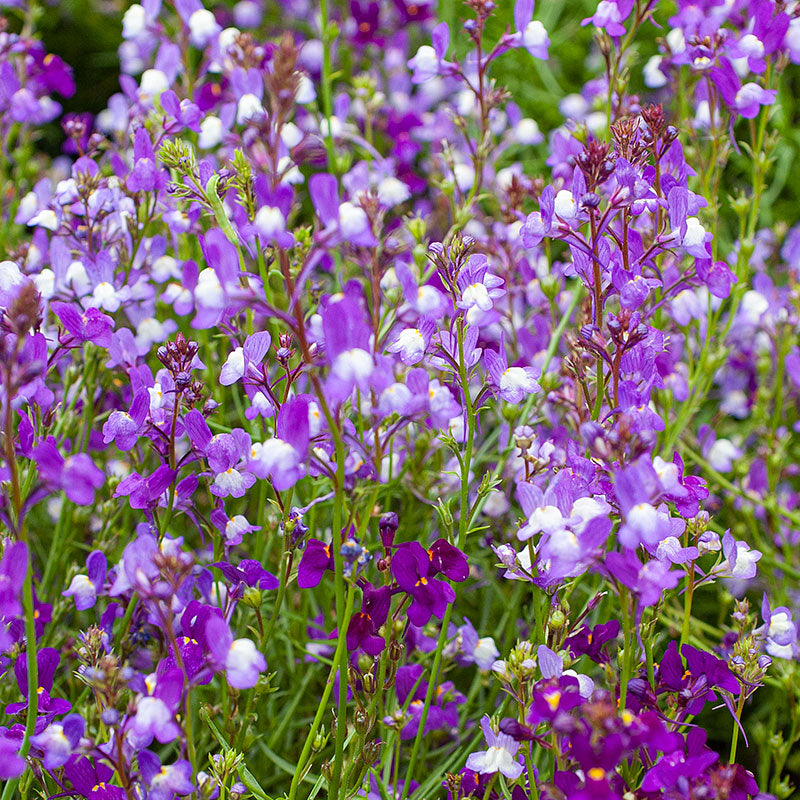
(252,597)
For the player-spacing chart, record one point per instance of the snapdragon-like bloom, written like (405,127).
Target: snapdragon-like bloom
(77,474)
(695,682)
(478,288)
(124,427)
(84,588)
(500,756)
(414,569)
(59,740)
(429,61)
(282,459)
(240,658)
(512,384)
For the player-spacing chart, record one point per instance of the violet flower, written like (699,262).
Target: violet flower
(500,756)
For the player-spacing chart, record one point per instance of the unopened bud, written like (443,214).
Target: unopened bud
(252,597)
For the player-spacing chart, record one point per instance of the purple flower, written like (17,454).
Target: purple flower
(411,343)
(84,588)
(283,458)
(747,99)
(443,711)
(123,427)
(240,658)
(316,560)
(244,360)
(510,383)
(343,222)
(739,559)
(249,572)
(648,581)
(155,713)
(77,475)
(591,641)
(413,569)
(347,347)
(500,756)
(92,781)
(147,175)
(429,62)
(695,682)
(165,782)
(13,567)
(47,662)
(478,288)
(364,625)
(779,630)
(610,14)
(59,740)
(636,487)
(145,492)
(530,33)
(90,326)
(11,765)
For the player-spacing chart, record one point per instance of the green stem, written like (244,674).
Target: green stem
(33,674)
(341,647)
(735,735)
(463,522)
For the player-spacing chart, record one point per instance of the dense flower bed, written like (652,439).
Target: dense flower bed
(364,438)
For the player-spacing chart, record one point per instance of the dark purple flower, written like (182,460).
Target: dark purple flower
(249,572)
(590,641)
(364,625)
(695,682)
(47,662)
(412,567)
(316,560)
(92,781)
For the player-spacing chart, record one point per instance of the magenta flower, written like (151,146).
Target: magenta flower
(316,560)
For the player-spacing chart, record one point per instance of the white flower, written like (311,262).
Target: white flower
(353,220)
(269,221)
(654,78)
(565,206)
(249,108)
(152,84)
(527,131)
(134,21)
(211,132)
(203,27)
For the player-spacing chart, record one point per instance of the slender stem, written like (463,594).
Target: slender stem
(464,520)
(341,647)
(33,674)
(735,734)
